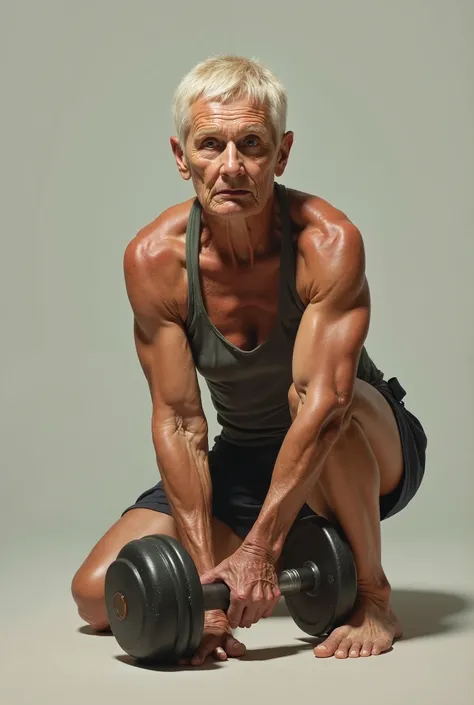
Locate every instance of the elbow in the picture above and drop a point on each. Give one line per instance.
(325, 418)
(175, 425)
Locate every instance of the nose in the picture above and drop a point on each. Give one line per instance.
(231, 160)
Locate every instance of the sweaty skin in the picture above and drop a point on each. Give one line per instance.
(232, 157)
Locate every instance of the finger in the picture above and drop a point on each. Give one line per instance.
(254, 608)
(233, 647)
(235, 611)
(207, 646)
(210, 576)
(219, 654)
(262, 602)
(273, 598)
(250, 616)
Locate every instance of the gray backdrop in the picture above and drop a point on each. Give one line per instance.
(381, 102)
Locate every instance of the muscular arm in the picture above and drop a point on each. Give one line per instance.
(327, 349)
(179, 428)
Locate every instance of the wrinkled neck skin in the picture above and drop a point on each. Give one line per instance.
(240, 241)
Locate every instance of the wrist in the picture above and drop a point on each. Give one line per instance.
(268, 534)
(198, 544)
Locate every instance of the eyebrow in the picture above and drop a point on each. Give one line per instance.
(254, 128)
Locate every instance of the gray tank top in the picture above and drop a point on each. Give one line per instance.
(249, 388)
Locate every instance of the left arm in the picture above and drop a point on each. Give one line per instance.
(327, 349)
(326, 354)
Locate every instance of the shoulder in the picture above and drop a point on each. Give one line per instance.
(329, 245)
(158, 245)
(154, 260)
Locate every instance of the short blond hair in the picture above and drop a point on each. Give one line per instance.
(227, 78)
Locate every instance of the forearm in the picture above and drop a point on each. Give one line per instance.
(182, 458)
(297, 468)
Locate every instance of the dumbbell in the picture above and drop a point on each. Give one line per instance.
(155, 601)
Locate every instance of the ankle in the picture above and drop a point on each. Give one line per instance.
(376, 588)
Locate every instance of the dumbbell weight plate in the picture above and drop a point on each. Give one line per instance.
(153, 597)
(191, 584)
(314, 539)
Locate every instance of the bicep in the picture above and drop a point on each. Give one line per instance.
(160, 339)
(327, 349)
(168, 365)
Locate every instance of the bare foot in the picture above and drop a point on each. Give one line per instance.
(370, 630)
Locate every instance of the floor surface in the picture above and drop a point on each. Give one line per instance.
(49, 656)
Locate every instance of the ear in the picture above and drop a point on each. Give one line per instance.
(284, 153)
(180, 158)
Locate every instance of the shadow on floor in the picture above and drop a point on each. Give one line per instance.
(421, 612)
(86, 629)
(428, 612)
(262, 654)
(130, 661)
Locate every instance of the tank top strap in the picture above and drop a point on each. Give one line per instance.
(289, 297)
(193, 231)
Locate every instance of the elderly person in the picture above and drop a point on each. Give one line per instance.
(263, 290)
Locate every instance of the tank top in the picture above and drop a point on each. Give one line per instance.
(249, 388)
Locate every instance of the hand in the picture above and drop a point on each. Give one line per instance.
(250, 575)
(217, 640)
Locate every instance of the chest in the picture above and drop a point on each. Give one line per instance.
(242, 304)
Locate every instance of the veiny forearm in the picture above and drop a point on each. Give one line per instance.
(297, 468)
(182, 458)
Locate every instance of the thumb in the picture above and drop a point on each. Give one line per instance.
(211, 576)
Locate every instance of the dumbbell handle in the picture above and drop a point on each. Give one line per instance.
(290, 581)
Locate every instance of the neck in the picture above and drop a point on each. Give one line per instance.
(241, 241)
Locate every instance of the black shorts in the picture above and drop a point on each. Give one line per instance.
(241, 475)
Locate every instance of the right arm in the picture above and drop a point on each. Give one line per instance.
(179, 427)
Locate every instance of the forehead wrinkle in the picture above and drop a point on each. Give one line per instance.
(215, 128)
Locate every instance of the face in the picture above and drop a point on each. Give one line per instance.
(231, 156)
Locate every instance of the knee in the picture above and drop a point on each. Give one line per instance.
(87, 588)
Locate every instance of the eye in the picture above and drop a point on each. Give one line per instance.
(209, 143)
(251, 141)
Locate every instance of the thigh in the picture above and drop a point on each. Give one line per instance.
(375, 416)
(135, 524)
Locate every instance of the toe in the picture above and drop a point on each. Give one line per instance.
(366, 648)
(328, 647)
(343, 648)
(355, 649)
(380, 645)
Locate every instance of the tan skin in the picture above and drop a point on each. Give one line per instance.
(338, 421)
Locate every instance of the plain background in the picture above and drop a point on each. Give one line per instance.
(381, 102)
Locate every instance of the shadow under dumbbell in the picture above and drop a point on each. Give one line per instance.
(263, 654)
(88, 631)
(130, 661)
(421, 612)
(271, 652)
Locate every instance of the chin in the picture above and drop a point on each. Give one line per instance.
(229, 207)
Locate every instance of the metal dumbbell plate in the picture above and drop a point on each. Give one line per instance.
(314, 539)
(154, 600)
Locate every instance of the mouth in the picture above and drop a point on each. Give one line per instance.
(232, 192)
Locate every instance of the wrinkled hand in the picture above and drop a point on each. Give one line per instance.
(250, 575)
(217, 640)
